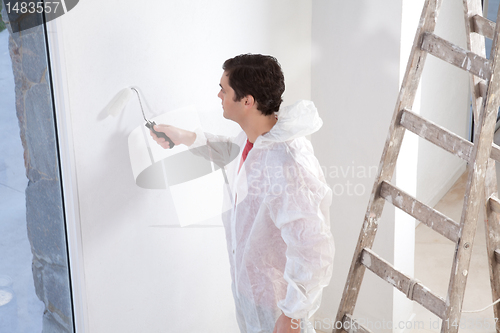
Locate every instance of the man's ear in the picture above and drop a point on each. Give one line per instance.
(249, 100)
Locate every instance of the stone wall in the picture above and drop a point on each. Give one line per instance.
(44, 210)
(2, 24)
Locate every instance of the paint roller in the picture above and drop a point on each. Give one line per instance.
(120, 101)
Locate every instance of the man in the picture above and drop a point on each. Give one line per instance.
(278, 234)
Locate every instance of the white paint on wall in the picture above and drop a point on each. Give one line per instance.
(141, 277)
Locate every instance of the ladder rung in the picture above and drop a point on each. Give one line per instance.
(436, 134)
(483, 26)
(431, 217)
(495, 152)
(494, 204)
(351, 325)
(497, 255)
(402, 282)
(457, 56)
(441, 137)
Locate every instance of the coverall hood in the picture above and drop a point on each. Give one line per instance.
(294, 121)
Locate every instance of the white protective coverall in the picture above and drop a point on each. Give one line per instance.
(278, 228)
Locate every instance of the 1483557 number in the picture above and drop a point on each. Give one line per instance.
(25, 7)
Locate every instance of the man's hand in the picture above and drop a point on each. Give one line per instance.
(286, 324)
(177, 135)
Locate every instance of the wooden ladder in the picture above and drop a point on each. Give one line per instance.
(480, 156)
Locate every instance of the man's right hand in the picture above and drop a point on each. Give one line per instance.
(177, 135)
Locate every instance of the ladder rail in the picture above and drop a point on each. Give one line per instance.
(475, 24)
(492, 230)
(475, 184)
(483, 26)
(487, 28)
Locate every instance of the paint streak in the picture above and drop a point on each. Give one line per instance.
(391, 281)
(399, 200)
(389, 198)
(422, 131)
(463, 63)
(367, 261)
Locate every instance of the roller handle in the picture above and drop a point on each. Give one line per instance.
(149, 124)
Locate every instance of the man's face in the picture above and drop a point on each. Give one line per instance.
(232, 110)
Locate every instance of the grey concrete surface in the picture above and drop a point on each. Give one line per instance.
(23, 314)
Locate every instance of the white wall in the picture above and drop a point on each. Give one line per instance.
(140, 277)
(346, 56)
(355, 82)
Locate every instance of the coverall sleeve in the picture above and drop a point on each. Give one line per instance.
(219, 149)
(302, 215)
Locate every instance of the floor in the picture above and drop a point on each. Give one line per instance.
(433, 259)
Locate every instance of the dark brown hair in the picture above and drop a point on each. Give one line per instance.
(257, 75)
